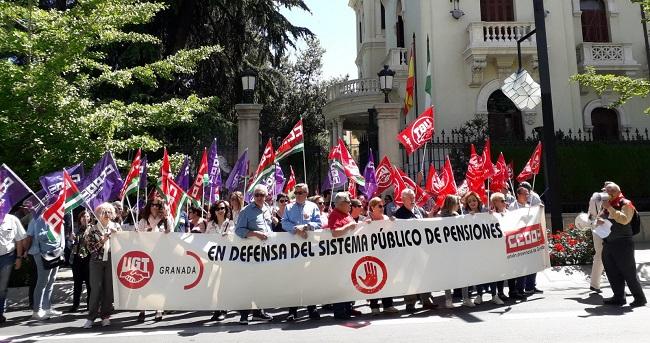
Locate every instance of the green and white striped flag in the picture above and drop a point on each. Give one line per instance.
(427, 82)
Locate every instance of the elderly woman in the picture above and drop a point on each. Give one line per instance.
(99, 247)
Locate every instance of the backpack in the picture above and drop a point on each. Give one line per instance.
(635, 223)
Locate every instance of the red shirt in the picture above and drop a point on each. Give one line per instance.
(338, 219)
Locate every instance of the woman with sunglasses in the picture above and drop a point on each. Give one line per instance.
(155, 218)
(282, 200)
(220, 219)
(236, 204)
(376, 212)
(320, 201)
(196, 223)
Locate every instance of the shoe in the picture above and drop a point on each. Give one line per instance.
(291, 317)
(449, 303)
(375, 311)
(478, 300)
(390, 310)
(638, 303)
(88, 324)
(106, 322)
(53, 313)
(537, 290)
(503, 297)
(314, 315)
(262, 316)
(342, 316)
(73, 309)
(141, 317)
(354, 313)
(2, 319)
(410, 308)
(614, 301)
(497, 300)
(468, 302)
(218, 316)
(158, 317)
(517, 296)
(40, 315)
(595, 290)
(243, 320)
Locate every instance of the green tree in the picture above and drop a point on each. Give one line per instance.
(58, 85)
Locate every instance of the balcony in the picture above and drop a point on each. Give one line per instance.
(607, 57)
(352, 97)
(353, 88)
(397, 59)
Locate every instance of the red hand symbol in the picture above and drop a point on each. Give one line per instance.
(371, 275)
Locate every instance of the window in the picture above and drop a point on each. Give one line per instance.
(594, 21)
(605, 122)
(400, 32)
(497, 10)
(504, 118)
(360, 34)
(383, 17)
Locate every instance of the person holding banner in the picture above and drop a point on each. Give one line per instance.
(255, 222)
(101, 272)
(282, 200)
(499, 206)
(320, 202)
(409, 210)
(80, 259)
(220, 221)
(533, 198)
(516, 286)
(12, 235)
(300, 217)
(39, 243)
(196, 223)
(376, 212)
(236, 204)
(154, 218)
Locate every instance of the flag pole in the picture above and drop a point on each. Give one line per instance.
(534, 176)
(128, 202)
(304, 161)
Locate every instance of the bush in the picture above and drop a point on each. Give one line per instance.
(571, 246)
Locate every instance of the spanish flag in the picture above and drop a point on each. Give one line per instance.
(410, 85)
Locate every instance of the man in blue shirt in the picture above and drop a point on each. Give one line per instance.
(299, 217)
(255, 221)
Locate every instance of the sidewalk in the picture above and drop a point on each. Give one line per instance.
(555, 279)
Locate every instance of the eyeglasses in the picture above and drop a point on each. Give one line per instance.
(283, 201)
(221, 208)
(320, 203)
(159, 205)
(299, 192)
(260, 195)
(357, 206)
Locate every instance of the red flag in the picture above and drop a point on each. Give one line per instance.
(384, 175)
(488, 166)
(417, 133)
(474, 176)
(500, 177)
(349, 165)
(421, 196)
(352, 189)
(532, 166)
(165, 172)
(398, 182)
(335, 152)
(410, 84)
(196, 192)
(266, 166)
(432, 177)
(294, 142)
(444, 184)
(133, 177)
(291, 183)
(69, 198)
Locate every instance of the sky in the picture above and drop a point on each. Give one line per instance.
(333, 22)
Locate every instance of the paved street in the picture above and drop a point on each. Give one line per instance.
(566, 311)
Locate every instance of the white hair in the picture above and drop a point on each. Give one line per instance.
(408, 191)
(340, 197)
(613, 186)
(260, 187)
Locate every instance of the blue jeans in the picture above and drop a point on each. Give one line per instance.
(5, 273)
(43, 290)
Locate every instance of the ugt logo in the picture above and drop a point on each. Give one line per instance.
(369, 275)
(135, 269)
(421, 130)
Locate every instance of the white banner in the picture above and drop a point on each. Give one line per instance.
(158, 271)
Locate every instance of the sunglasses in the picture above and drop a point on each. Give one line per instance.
(260, 195)
(159, 205)
(357, 206)
(283, 201)
(221, 208)
(380, 206)
(320, 203)
(299, 193)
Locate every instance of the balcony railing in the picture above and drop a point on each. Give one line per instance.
(397, 59)
(499, 34)
(353, 88)
(607, 56)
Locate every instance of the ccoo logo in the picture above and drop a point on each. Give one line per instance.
(135, 269)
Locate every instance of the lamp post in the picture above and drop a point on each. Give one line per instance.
(550, 150)
(248, 83)
(386, 81)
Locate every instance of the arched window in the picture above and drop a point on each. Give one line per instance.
(497, 10)
(400, 32)
(605, 122)
(594, 21)
(504, 118)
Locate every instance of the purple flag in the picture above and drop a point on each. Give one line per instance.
(279, 179)
(38, 202)
(143, 173)
(239, 171)
(214, 173)
(53, 182)
(12, 190)
(183, 176)
(369, 174)
(335, 177)
(103, 183)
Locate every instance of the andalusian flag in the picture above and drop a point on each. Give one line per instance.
(132, 178)
(176, 199)
(293, 143)
(202, 179)
(265, 168)
(427, 82)
(410, 85)
(68, 200)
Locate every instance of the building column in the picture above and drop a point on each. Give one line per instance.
(248, 123)
(388, 116)
(390, 32)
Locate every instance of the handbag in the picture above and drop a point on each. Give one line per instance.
(53, 259)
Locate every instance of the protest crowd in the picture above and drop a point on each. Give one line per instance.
(70, 223)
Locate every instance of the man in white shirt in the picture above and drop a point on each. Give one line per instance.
(11, 253)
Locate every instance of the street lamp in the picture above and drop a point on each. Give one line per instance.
(386, 81)
(248, 82)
